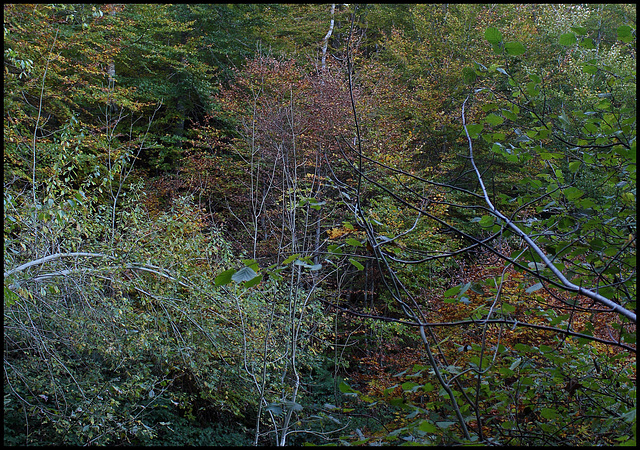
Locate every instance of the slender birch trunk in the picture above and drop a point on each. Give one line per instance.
(325, 41)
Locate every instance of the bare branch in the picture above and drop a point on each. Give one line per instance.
(53, 257)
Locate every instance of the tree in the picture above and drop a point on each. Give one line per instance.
(558, 252)
(235, 224)
(279, 110)
(110, 297)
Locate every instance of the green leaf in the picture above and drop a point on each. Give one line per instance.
(623, 31)
(390, 389)
(574, 166)
(254, 281)
(251, 263)
(544, 155)
(224, 277)
(428, 387)
(346, 389)
(527, 381)
(627, 39)
(9, 297)
(499, 136)
(427, 427)
(354, 242)
(548, 413)
(508, 308)
(356, 264)
(533, 89)
(335, 249)
(410, 386)
(291, 258)
(567, 39)
(486, 221)
(522, 347)
(452, 291)
(489, 107)
(545, 348)
(589, 69)
(573, 193)
(494, 119)
(493, 35)
(510, 115)
(474, 129)
(580, 31)
(469, 75)
(244, 274)
(313, 203)
(587, 43)
(514, 48)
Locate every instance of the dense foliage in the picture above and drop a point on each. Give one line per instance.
(256, 224)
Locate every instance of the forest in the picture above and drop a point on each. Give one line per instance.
(319, 224)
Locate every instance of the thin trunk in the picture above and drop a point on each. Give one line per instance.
(111, 69)
(325, 42)
(34, 185)
(180, 101)
(111, 72)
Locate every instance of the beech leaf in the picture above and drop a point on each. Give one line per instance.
(567, 39)
(514, 48)
(244, 274)
(356, 263)
(493, 35)
(224, 277)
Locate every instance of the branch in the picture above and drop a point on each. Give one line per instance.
(35, 135)
(566, 284)
(512, 322)
(479, 242)
(52, 257)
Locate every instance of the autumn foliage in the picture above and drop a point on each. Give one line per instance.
(270, 224)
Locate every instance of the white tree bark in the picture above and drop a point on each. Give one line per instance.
(111, 69)
(325, 41)
(50, 258)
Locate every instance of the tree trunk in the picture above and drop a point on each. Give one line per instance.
(111, 69)
(325, 42)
